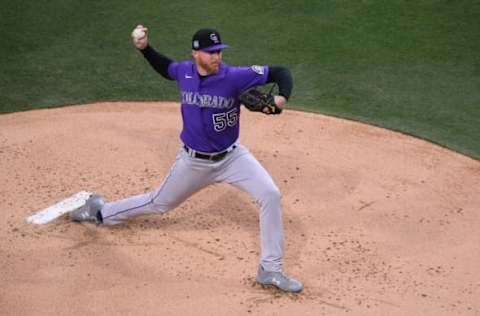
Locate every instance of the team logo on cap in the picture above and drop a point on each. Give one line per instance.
(196, 45)
(214, 38)
(258, 69)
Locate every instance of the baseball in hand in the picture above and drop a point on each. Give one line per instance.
(138, 34)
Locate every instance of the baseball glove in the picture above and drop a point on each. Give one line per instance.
(258, 101)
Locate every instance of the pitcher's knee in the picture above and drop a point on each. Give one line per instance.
(271, 194)
(162, 204)
(161, 207)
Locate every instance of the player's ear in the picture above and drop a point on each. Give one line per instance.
(194, 53)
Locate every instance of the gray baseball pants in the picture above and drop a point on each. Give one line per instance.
(188, 175)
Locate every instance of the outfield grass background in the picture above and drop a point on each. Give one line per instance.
(411, 66)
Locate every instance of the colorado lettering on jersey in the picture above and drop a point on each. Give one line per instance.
(206, 100)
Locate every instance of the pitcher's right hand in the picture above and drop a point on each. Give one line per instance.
(140, 37)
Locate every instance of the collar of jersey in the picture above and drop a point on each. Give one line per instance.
(221, 73)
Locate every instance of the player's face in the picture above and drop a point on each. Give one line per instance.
(207, 62)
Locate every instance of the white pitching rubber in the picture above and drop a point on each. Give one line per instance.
(50, 213)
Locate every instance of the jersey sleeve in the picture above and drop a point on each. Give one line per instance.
(247, 77)
(173, 70)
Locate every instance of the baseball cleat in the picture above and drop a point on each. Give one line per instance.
(278, 279)
(88, 212)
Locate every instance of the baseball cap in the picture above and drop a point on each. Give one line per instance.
(207, 40)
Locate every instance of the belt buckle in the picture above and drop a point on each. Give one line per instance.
(214, 157)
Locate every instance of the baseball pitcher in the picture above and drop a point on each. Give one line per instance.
(211, 94)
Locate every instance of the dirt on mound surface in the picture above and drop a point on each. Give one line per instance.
(376, 222)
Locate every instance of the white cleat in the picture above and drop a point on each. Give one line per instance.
(279, 280)
(89, 212)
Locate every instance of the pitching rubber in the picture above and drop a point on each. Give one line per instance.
(67, 205)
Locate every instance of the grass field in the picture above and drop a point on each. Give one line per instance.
(412, 66)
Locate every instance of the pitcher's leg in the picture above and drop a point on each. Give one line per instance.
(186, 177)
(244, 171)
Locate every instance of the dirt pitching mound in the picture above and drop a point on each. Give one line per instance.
(376, 222)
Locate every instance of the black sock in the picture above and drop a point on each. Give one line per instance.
(99, 217)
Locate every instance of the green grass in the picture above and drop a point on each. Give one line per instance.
(411, 66)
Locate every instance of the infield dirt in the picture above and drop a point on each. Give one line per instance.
(376, 222)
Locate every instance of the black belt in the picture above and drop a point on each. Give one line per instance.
(213, 157)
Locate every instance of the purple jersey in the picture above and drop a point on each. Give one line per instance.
(210, 106)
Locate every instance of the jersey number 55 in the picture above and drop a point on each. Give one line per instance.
(222, 120)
